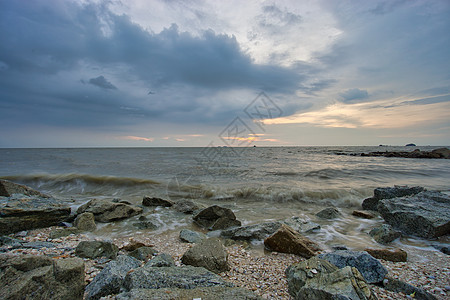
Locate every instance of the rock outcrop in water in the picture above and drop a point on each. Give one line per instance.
(41, 277)
(107, 211)
(388, 193)
(443, 153)
(216, 217)
(426, 214)
(317, 279)
(22, 208)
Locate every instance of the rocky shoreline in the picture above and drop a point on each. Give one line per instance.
(440, 153)
(217, 260)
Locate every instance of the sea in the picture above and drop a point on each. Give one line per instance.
(258, 183)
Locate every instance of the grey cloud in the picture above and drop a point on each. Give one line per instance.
(101, 82)
(352, 95)
(273, 16)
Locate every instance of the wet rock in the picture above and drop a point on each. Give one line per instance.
(40, 277)
(287, 240)
(216, 217)
(192, 237)
(162, 260)
(329, 213)
(252, 232)
(186, 277)
(107, 211)
(399, 286)
(384, 234)
(110, 279)
(317, 279)
(11, 242)
(209, 254)
(38, 245)
(187, 206)
(145, 224)
(362, 214)
(442, 152)
(301, 225)
(154, 201)
(132, 245)
(426, 214)
(389, 193)
(143, 253)
(443, 248)
(93, 249)
(21, 212)
(370, 268)
(204, 293)
(62, 232)
(9, 188)
(397, 255)
(85, 222)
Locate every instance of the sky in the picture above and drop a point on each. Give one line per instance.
(224, 73)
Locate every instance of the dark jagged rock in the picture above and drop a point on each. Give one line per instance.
(192, 237)
(384, 234)
(397, 255)
(317, 279)
(143, 253)
(209, 254)
(107, 211)
(399, 286)
(85, 222)
(389, 193)
(186, 277)
(426, 214)
(216, 217)
(162, 260)
(329, 213)
(154, 201)
(40, 277)
(8, 188)
(204, 293)
(287, 240)
(20, 212)
(110, 279)
(444, 249)
(370, 268)
(93, 249)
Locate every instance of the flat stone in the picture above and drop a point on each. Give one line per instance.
(154, 201)
(252, 232)
(9, 188)
(94, 249)
(397, 255)
(362, 214)
(389, 193)
(107, 211)
(190, 236)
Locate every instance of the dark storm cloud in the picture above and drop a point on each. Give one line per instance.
(101, 82)
(353, 95)
(47, 47)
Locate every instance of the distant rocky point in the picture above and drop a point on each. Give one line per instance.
(417, 153)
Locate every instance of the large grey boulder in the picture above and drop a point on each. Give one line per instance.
(209, 254)
(85, 222)
(9, 188)
(107, 211)
(317, 279)
(384, 234)
(110, 279)
(287, 240)
(369, 267)
(389, 193)
(190, 236)
(94, 249)
(216, 217)
(21, 212)
(426, 214)
(252, 232)
(204, 293)
(186, 277)
(40, 277)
